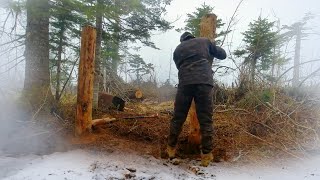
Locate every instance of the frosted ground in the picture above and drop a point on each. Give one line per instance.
(81, 164)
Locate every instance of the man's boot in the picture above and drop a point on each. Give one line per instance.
(171, 151)
(206, 159)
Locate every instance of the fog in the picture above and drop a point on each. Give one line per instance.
(21, 132)
(288, 11)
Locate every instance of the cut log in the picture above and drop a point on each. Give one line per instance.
(138, 94)
(208, 30)
(98, 122)
(134, 94)
(208, 26)
(85, 81)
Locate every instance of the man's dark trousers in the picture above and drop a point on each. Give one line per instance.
(202, 94)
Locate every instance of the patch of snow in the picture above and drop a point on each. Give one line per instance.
(80, 164)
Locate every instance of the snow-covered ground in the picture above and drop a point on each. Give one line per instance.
(80, 164)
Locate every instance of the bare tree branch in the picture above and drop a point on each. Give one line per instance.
(315, 60)
(65, 83)
(313, 73)
(231, 20)
(12, 67)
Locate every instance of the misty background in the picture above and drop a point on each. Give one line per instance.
(287, 11)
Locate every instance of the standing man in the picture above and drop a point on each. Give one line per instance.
(193, 58)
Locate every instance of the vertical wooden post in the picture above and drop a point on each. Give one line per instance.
(85, 81)
(208, 26)
(208, 30)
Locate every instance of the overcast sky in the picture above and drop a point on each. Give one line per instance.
(289, 11)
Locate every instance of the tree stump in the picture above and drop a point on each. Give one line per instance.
(208, 30)
(85, 81)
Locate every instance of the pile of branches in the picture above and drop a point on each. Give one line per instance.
(268, 121)
(265, 121)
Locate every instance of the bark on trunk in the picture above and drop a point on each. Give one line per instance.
(37, 75)
(253, 71)
(85, 81)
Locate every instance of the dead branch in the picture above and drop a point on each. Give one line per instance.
(7, 63)
(231, 56)
(225, 67)
(315, 60)
(306, 78)
(134, 126)
(98, 122)
(231, 20)
(138, 117)
(12, 67)
(236, 109)
(5, 22)
(41, 106)
(70, 74)
(270, 144)
(277, 110)
(12, 41)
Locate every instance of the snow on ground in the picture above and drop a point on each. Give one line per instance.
(80, 164)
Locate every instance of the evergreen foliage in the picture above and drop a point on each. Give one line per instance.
(194, 19)
(260, 41)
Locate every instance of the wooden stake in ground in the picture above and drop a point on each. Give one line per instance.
(85, 81)
(208, 30)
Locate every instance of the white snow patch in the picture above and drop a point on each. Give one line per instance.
(80, 164)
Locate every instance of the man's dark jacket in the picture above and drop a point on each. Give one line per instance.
(194, 58)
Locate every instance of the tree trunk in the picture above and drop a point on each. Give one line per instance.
(116, 44)
(116, 58)
(208, 30)
(96, 86)
(296, 70)
(59, 66)
(253, 70)
(274, 62)
(278, 53)
(37, 75)
(85, 81)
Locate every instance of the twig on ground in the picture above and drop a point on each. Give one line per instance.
(272, 145)
(41, 106)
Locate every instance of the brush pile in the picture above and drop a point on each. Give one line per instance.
(265, 123)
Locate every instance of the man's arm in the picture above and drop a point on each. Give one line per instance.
(175, 58)
(217, 51)
(220, 53)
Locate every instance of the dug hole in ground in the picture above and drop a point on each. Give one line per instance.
(131, 149)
